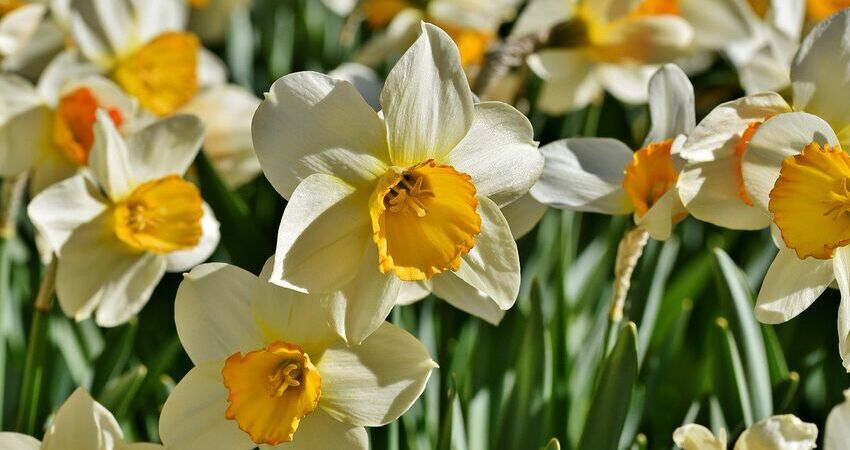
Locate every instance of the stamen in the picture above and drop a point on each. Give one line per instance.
(840, 204)
(409, 198)
(287, 375)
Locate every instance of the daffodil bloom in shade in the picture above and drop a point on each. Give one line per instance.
(117, 228)
(144, 47)
(712, 184)
(837, 428)
(410, 195)
(603, 175)
(49, 128)
(81, 423)
(786, 432)
(598, 45)
(269, 370)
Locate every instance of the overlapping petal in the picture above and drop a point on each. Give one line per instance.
(791, 285)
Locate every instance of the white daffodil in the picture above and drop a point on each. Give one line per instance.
(713, 184)
(603, 175)
(143, 47)
(601, 44)
(209, 19)
(118, 228)
(411, 194)
(837, 428)
(794, 171)
(786, 432)
(29, 36)
(269, 369)
(49, 128)
(81, 423)
(472, 24)
(763, 58)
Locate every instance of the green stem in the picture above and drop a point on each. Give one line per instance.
(36, 347)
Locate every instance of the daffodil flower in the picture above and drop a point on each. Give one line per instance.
(144, 48)
(603, 175)
(49, 128)
(713, 184)
(794, 171)
(269, 369)
(786, 432)
(119, 227)
(81, 423)
(412, 194)
(837, 428)
(602, 44)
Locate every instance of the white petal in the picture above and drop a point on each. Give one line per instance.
(183, 260)
(374, 383)
(193, 415)
(323, 231)
(211, 70)
(426, 100)
(777, 138)
(717, 23)
(458, 293)
(109, 160)
(569, 83)
(819, 74)
(492, 266)
(627, 83)
(226, 111)
(18, 441)
(364, 79)
(125, 292)
(51, 169)
(709, 182)
(81, 423)
(671, 104)
(286, 315)
(108, 94)
(25, 125)
(90, 43)
(785, 432)
(310, 123)
(837, 428)
(790, 286)
(400, 34)
(499, 152)
(165, 147)
(212, 312)
(697, 437)
(412, 292)
(523, 215)
(18, 26)
(154, 17)
(340, 7)
(320, 431)
(63, 207)
(65, 67)
(360, 307)
(541, 15)
(585, 174)
(658, 220)
(841, 264)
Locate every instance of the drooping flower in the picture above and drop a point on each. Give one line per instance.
(605, 176)
(409, 195)
(144, 48)
(81, 423)
(778, 432)
(270, 370)
(117, 228)
(596, 45)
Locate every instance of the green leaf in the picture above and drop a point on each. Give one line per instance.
(604, 422)
(730, 367)
(119, 393)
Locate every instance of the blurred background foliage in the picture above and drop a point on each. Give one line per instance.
(689, 348)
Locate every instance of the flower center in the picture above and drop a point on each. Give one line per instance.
(423, 220)
(271, 390)
(657, 8)
(817, 10)
(162, 74)
(73, 127)
(740, 149)
(810, 201)
(160, 216)
(379, 13)
(650, 175)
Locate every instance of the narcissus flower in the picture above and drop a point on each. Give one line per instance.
(117, 228)
(713, 184)
(837, 428)
(412, 194)
(49, 128)
(144, 48)
(270, 370)
(777, 432)
(596, 45)
(81, 423)
(603, 175)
